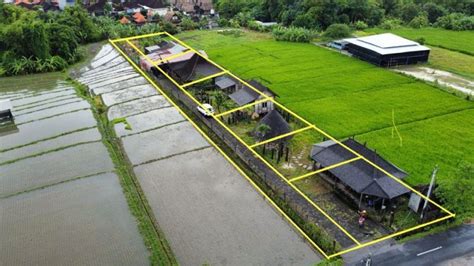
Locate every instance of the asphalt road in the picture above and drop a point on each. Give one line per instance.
(453, 247)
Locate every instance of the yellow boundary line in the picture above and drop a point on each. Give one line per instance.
(204, 79)
(256, 153)
(389, 236)
(324, 169)
(280, 136)
(215, 64)
(172, 57)
(293, 186)
(363, 158)
(272, 203)
(243, 107)
(138, 37)
(164, 73)
(450, 214)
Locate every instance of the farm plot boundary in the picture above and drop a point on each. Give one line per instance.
(308, 127)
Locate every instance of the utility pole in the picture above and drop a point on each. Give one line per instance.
(430, 189)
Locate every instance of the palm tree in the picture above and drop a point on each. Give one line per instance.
(219, 99)
(262, 130)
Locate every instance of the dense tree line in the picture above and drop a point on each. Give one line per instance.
(33, 41)
(320, 14)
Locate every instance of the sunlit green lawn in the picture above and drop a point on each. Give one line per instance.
(346, 97)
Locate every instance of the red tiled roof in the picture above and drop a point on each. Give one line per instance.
(124, 20)
(139, 18)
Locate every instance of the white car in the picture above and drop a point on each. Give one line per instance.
(206, 109)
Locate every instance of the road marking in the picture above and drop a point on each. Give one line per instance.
(428, 251)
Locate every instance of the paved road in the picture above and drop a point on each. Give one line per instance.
(453, 247)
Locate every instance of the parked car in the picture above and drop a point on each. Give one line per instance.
(206, 109)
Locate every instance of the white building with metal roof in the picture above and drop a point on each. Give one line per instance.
(387, 50)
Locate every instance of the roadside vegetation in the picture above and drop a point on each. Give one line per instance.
(348, 97)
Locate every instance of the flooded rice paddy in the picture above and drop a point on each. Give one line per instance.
(60, 200)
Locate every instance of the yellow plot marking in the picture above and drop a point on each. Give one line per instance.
(280, 136)
(137, 37)
(390, 236)
(164, 73)
(324, 169)
(293, 186)
(172, 57)
(243, 107)
(204, 79)
(278, 173)
(216, 65)
(363, 158)
(272, 203)
(383, 171)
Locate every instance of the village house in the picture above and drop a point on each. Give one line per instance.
(275, 125)
(358, 179)
(194, 7)
(246, 95)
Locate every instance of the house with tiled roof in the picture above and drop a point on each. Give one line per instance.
(191, 7)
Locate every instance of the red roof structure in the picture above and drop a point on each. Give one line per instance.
(139, 18)
(124, 20)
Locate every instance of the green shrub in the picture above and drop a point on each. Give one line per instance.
(253, 25)
(420, 40)
(456, 191)
(360, 25)
(234, 23)
(337, 31)
(419, 22)
(188, 24)
(222, 22)
(456, 21)
(391, 24)
(292, 34)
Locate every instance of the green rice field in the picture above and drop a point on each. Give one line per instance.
(461, 41)
(348, 97)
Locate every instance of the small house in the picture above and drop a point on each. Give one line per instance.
(225, 84)
(194, 7)
(387, 50)
(247, 95)
(275, 126)
(358, 178)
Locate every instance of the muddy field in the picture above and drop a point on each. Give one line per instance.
(60, 202)
(209, 213)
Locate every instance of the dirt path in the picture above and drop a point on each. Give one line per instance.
(441, 77)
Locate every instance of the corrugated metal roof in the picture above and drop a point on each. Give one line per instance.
(360, 175)
(387, 43)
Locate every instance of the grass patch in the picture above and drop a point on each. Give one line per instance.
(454, 62)
(345, 96)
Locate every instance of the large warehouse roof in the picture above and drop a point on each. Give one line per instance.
(387, 43)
